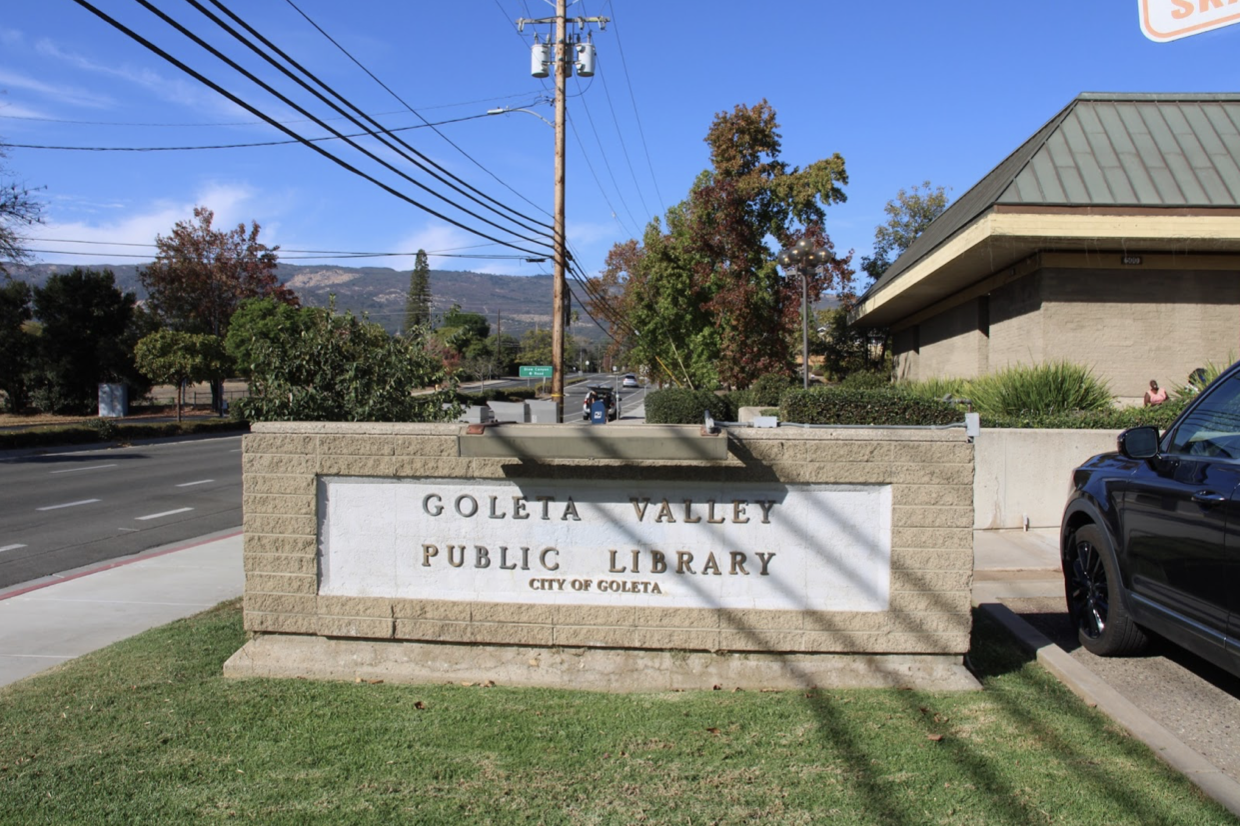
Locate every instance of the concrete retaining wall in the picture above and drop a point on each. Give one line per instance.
(1025, 474)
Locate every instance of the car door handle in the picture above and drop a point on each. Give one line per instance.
(1209, 497)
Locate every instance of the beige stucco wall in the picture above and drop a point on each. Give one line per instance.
(1129, 325)
(930, 473)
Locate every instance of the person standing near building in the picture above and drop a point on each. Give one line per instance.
(1155, 395)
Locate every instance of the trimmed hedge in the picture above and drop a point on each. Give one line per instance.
(677, 405)
(497, 394)
(858, 406)
(1159, 416)
(95, 433)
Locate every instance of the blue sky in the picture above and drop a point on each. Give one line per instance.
(906, 91)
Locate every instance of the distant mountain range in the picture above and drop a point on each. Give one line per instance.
(515, 303)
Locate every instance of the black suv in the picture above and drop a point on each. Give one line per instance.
(1150, 540)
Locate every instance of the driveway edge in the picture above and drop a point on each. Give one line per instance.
(1095, 692)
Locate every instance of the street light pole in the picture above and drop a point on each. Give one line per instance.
(797, 258)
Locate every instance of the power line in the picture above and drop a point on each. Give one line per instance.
(410, 108)
(226, 145)
(606, 162)
(266, 87)
(637, 115)
(257, 113)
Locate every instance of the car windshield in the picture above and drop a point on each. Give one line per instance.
(1213, 427)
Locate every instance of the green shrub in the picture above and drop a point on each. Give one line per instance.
(677, 405)
(852, 406)
(1043, 389)
(1159, 416)
(497, 394)
(866, 380)
(937, 388)
(767, 390)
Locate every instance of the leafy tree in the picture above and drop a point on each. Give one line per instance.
(201, 275)
(18, 208)
(536, 347)
(340, 368)
(258, 320)
(87, 338)
(16, 344)
(175, 357)
(908, 215)
(704, 301)
(418, 303)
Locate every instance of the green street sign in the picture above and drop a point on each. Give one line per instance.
(540, 371)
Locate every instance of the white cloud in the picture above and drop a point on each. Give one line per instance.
(71, 95)
(232, 204)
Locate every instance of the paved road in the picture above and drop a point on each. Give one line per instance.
(60, 511)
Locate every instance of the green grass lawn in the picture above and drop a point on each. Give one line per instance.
(147, 731)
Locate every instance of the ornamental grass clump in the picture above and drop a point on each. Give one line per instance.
(1054, 387)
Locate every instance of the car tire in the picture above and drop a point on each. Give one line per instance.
(1095, 601)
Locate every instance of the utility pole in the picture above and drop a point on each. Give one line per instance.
(563, 68)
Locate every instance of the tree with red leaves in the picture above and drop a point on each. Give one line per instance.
(703, 302)
(201, 275)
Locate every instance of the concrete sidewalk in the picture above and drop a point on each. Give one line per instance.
(51, 620)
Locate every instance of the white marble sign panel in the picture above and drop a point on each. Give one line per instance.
(673, 545)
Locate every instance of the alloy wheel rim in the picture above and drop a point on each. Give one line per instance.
(1088, 592)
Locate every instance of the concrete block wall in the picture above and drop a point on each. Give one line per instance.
(930, 473)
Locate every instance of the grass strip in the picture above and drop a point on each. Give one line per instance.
(147, 731)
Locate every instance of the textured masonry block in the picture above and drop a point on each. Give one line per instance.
(355, 465)
(596, 636)
(280, 603)
(281, 564)
(271, 523)
(931, 623)
(620, 616)
(258, 483)
(960, 496)
(904, 517)
(274, 583)
(738, 619)
(355, 627)
(277, 464)
(928, 601)
(700, 618)
(356, 446)
(951, 560)
(262, 622)
(827, 621)
(935, 454)
(932, 538)
(931, 580)
(258, 543)
(440, 446)
(412, 467)
(433, 630)
(283, 505)
(354, 606)
(847, 453)
(296, 444)
(513, 634)
(931, 474)
(496, 612)
(677, 639)
(432, 609)
(761, 640)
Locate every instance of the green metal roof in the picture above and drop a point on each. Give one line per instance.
(1108, 150)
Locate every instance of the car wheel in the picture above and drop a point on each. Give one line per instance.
(1092, 586)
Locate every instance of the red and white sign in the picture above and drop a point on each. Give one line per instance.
(1167, 20)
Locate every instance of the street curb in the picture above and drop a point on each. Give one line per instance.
(1091, 688)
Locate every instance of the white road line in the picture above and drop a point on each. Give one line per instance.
(11, 548)
(165, 513)
(67, 505)
(79, 469)
(191, 484)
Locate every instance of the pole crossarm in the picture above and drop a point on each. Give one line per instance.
(580, 21)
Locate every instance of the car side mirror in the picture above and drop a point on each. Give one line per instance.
(1139, 442)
